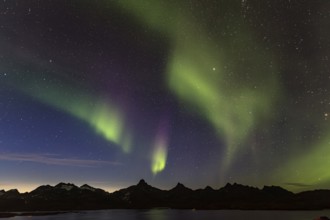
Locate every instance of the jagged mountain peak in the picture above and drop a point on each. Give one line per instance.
(42, 188)
(87, 187)
(142, 182)
(208, 188)
(143, 185)
(66, 186)
(236, 185)
(239, 189)
(13, 191)
(62, 183)
(275, 190)
(232, 185)
(12, 194)
(180, 187)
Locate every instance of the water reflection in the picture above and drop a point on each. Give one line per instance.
(157, 214)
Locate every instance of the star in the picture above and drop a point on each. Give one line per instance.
(223, 106)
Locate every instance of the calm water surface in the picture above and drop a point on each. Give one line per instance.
(182, 215)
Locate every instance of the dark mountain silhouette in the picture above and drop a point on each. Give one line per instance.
(67, 196)
(11, 199)
(141, 195)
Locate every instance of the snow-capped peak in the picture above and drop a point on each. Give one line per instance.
(87, 187)
(66, 187)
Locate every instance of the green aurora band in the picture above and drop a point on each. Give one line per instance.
(205, 75)
(309, 168)
(159, 156)
(104, 117)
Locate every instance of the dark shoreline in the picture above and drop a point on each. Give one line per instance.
(13, 214)
(49, 213)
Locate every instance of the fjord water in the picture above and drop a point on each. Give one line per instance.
(168, 214)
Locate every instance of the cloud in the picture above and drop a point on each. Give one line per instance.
(51, 159)
(302, 185)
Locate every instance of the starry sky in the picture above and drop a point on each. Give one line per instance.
(200, 92)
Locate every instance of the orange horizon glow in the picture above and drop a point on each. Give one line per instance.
(28, 187)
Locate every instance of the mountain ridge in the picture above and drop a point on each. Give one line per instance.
(67, 196)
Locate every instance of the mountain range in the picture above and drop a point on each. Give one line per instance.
(66, 196)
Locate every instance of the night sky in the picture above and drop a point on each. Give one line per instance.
(199, 92)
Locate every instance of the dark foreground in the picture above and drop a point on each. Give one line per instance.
(170, 214)
(65, 197)
(13, 214)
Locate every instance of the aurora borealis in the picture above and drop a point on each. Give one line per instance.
(198, 92)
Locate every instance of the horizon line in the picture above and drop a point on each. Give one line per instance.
(118, 188)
